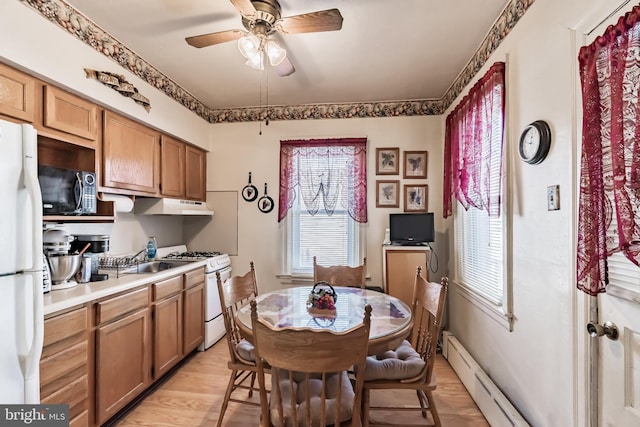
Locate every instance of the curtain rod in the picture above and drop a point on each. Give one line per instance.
(609, 16)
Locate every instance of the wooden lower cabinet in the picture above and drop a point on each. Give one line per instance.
(123, 352)
(64, 365)
(193, 310)
(167, 325)
(399, 270)
(99, 357)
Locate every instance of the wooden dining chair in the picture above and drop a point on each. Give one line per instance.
(309, 381)
(410, 366)
(234, 293)
(341, 275)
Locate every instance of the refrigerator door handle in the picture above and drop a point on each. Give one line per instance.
(30, 167)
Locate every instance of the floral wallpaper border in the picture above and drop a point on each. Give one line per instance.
(69, 19)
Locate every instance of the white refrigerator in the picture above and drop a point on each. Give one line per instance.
(21, 308)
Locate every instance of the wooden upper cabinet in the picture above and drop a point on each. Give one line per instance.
(196, 173)
(17, 94)
(68, 113)
(172, 167)
(131, 155)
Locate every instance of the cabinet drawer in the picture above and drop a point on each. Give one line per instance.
(193, 278)
(167, 287)
(62, 363)
(82, 420)
(117, 306)
(70, 394)
(65, 325)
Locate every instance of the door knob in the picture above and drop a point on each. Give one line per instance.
(609, 329)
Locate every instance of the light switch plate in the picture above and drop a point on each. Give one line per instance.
(553, 198)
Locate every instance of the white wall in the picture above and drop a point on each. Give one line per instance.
(32, 43)
(238, 149)
(39, 47)
(535, 365)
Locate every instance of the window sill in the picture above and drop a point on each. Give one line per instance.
(494, 311)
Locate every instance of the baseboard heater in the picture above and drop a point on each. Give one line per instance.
(495, 407)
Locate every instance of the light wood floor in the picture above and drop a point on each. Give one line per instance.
(193, 396)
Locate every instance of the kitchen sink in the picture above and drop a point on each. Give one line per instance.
(153, 266)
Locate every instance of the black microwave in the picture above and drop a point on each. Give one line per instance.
(67, 191)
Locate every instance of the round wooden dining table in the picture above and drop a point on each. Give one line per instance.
(287, 308)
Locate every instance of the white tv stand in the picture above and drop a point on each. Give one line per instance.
(399, 265)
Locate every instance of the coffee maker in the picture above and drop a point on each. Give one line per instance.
(98, 246)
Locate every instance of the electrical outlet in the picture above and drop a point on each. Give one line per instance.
(553, 198)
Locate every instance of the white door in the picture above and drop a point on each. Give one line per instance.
(617, 360)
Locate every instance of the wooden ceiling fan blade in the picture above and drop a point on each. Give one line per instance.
(322, 20)
(205, 40)
(285, 68)
(245, 7)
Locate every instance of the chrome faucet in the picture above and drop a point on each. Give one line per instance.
(135, 257)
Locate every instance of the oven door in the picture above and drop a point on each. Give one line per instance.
(212, 307)
(214, 328)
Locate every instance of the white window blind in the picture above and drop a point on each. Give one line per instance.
(480, 253)
(622, 272)
(480, 238)
(334, 239)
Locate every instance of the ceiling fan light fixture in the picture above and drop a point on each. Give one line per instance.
(275, 53)
(256, 61)
(249, 45)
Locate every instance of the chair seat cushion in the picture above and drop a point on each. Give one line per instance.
(403, 362)
(281, 382)
(246, 350)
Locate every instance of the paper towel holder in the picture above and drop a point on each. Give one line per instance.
(118, 202)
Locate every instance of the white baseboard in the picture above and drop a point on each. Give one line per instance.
(495, 407)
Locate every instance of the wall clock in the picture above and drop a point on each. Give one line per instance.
(535, 142)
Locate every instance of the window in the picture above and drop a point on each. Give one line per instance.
(322, 202)
(334, 239)
(473, 177)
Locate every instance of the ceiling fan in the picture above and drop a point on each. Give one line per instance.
(261, 19)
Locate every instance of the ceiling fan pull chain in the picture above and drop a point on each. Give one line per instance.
(266, 121)
(260, 103)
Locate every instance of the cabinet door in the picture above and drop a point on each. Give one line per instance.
(401, 272)
(172, 165)
(17, 94)
(131, 155)
(193, 318)
(167, 334)
(68, 113)
(196, 175)
(122, 363)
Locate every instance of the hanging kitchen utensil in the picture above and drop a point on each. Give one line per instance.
(249, 192)
(265, 203)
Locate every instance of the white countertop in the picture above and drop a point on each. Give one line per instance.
(85, 292)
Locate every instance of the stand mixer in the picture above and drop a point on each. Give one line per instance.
(62, 265)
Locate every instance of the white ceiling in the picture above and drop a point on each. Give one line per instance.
(386, 50)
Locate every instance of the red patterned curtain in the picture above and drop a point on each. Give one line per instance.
(473, 146)
(609, 175)
(325, 172)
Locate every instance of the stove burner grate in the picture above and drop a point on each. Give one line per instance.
(193, 255)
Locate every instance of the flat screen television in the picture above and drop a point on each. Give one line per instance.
(411, 228)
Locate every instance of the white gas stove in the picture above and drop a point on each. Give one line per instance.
(214, 328)
(215, 260)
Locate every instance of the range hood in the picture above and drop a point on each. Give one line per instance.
(153, 206)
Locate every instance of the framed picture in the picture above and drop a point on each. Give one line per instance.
(387, 161)
(415, 198)
(415, 164)
(387, 194)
